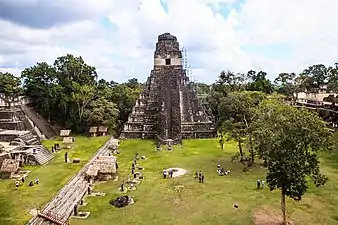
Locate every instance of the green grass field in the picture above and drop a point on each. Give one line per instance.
(16, 204)
(156, 202)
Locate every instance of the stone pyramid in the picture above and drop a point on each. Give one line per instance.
(168, 109)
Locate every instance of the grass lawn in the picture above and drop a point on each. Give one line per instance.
(156, 202)
(16, 204)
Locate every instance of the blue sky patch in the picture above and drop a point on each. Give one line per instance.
(105, 22)
(164, 5)
(225, 8)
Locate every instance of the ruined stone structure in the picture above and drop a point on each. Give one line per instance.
(168, 109)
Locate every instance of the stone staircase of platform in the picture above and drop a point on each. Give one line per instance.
(30, 139)
(42, 155)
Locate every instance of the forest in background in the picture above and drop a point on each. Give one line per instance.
(69, 94)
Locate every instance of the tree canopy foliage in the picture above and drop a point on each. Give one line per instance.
(287, 139)
(69, 94)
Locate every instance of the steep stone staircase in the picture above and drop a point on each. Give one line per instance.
(42, 155)
(30, 139)
(43, 126)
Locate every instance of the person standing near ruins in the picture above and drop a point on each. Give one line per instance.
(17, 183)
(258, 184)
(66, 157)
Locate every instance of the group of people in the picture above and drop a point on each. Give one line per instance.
(168, 173)
(31, 183)
(222, 171)
(260, 183)
(200, 176)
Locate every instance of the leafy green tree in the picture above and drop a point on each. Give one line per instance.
(285, 84)
(10, 87)
(237, 112)
(124, 97)
(287, 139)
(81, 96)
(315, 76)
(101, 112)
(70, 69)
(259, 82)
(333, 78)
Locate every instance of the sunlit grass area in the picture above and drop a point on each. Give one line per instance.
(157, 202)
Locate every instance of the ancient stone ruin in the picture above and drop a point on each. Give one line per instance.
(168, 109)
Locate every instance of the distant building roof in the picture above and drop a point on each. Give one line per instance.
(103, 128)
(64, 133)
(92, 129)
(9, 165)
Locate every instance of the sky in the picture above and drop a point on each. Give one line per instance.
(118, 37)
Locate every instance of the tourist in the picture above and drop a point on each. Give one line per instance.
(218, 166)
(128, 179)
(37, 180)
(75, 210)
(222, 172)
(135, 175)
(164, 174)
(258, 184)
(23, 179)
(202, 178)
(31, 183)
(17, 183)
(116, 165)
(171, 172)
(196, 174)
(66, 157)
(263, 183)
(200, 174)
(132, 171)
(133, 166)
(122, 186)
(88, 190)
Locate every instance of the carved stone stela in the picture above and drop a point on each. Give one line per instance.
(168, 109)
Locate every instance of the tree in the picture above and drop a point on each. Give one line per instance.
(73, 69)
(287, 139)
(286, 84)
(101, 112)
(315, 76)
(236, 115)
(124, 97)
(333, 78)
(259, 82)
(10, 87)
(81, 96)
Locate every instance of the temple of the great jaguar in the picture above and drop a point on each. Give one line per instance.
(168, 108)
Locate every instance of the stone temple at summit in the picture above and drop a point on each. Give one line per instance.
(168, 109)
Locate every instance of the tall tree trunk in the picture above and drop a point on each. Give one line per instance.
(240, 149)
(283, 205)
(251, 150)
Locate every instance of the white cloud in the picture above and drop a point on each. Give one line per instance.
(214, 42)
